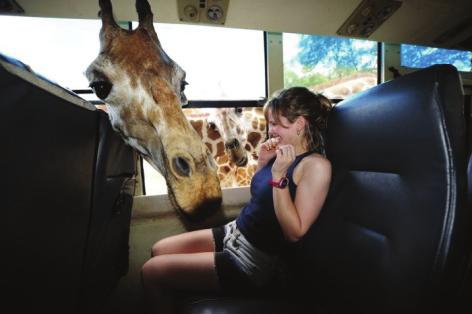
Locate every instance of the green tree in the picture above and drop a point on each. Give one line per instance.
(292, 79)
(344, 54)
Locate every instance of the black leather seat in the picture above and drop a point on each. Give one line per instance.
(394, 235)
(67, 189)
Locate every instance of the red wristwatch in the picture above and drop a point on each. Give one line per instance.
(281, 184)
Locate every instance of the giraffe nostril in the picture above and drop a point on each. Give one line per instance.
(181, 166)
(242, 161)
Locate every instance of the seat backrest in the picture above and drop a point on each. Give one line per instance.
(469, 180)
(67, 187)
(392, 237)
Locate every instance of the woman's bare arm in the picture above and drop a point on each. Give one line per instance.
(296, 217)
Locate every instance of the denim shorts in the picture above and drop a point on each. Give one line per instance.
(240, 265)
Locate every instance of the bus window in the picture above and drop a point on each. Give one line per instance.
(58, 49)
(337, 67)
(220, 63)
(405, 58)
(413, 56)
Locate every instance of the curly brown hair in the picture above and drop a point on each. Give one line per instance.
(294, 102)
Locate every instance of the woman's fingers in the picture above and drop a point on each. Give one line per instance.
(285, 157)
(287, 151)
(291, 152)
(272, 143)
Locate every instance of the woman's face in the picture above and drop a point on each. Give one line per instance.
(283, 129)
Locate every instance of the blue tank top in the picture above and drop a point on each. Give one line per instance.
(257, 220)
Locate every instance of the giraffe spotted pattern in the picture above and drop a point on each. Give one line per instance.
(219, 126)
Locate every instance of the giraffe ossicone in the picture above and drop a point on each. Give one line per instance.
(143, 89)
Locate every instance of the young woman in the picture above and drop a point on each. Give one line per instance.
(287, 193)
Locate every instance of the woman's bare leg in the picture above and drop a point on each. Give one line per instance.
(181, 262)
(188, 242)
(163, 274)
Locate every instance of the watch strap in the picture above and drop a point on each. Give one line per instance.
(282, 183)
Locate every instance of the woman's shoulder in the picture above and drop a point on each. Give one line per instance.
(312, 165)
(316, 160)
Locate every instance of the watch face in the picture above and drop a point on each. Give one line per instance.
(283, 182)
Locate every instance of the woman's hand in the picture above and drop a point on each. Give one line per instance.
(285, 157)
(267, 151)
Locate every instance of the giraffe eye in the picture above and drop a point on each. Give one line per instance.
(181, 166)
(101, 88)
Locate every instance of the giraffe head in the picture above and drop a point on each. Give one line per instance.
(232, 129)
(143, 89)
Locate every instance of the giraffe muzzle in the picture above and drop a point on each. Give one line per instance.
(242, 161)
(238, 154)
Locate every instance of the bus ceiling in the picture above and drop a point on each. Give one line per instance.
(437, 23)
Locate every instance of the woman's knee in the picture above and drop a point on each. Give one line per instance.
(161, 247)
(156, 248)
(189, 242)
